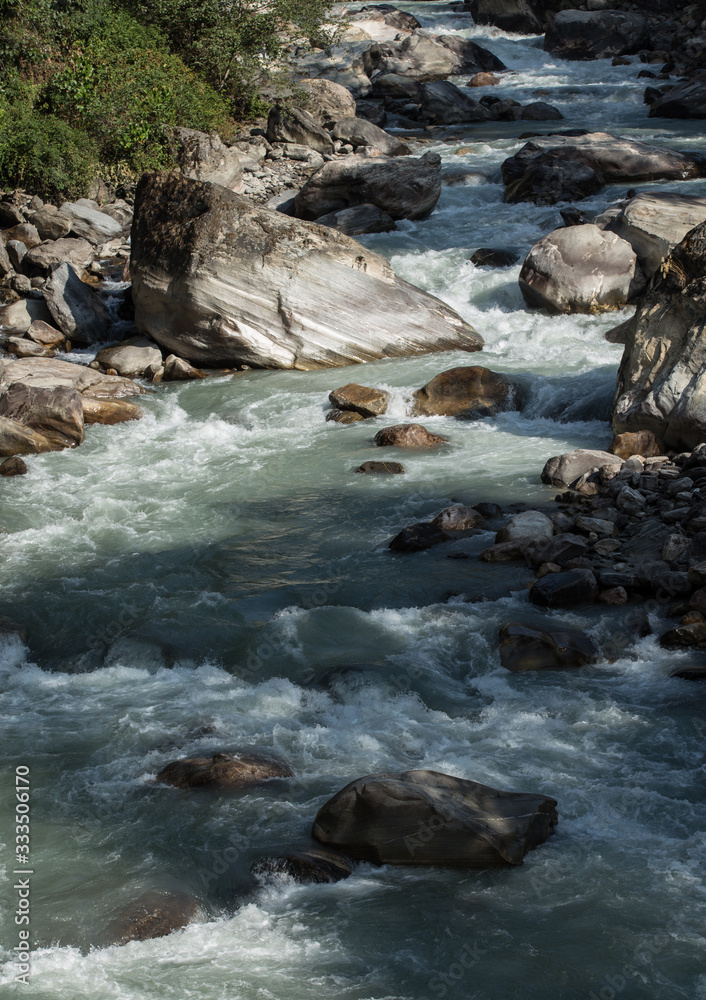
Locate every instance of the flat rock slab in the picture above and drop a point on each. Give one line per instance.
(361, 399)
(429, 818)
(219, 281)
(50, 372)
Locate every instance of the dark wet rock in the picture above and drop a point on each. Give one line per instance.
(224, 770)
(358, 220)
(505, 551)
(686, 100)
(404, 187)
(690, 672)
(381, 468)
(575, 34)
(428, 818)
(573, 216)
(684, 637)
(361, 399)
(660, 382)
(312, 866)
(13, 467)
(563, 470)
(443, 103)
(490, 511)
(562, 167)
(458, 518)
(153, 915)
(488, 257)
(408, 436)
(579, 269)
(523, 647)
(613, 596)
(558, 549)
(468, 393)
(510, 15)
(565, 590)
(418, 537)
(220, 282)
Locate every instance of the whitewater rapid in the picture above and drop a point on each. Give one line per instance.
(215, 575)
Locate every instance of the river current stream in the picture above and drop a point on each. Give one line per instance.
(216, 576)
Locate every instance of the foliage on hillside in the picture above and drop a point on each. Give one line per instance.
(89, 85)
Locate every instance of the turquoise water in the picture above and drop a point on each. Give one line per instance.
(216, 576)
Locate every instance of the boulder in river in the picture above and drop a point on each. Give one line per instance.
(654, 222)
(361, 399)
(224, 770)
(78, 309)
(492, 257)
(599, 34)
(219, 281)
(381, 468)
(418, 537)
(17, 439)
(686, 100)
(560, 167)
(458, 518)
(443, 103)
(108, 411)
(523, 647)
(468, 393)
(357, 220)
(429, 818)
(528, 526)
(13, 467)
(404, 187)
(662, 376)
(408, 436)
(580, 269)
(423, 58)
(510, 15)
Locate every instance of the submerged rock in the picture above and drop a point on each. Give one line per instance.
(408, 436)
(381, 468)
(219, 281)
(314, 865)
(467, 393)
(489, 257)
(523, 647)
(578, 269)
(224, 770)
(429, 818)
(154, 914)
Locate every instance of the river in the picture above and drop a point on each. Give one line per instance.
(216, 576)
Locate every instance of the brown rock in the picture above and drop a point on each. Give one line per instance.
(51, 372)
(45, 334)
(13, 467)
(178, 370)
(224, 770)
(16, 439)
(484, 80)
(56, 414)
(153, 915)
(418, 537)
(22, 348)
(613, 596)
(343, 417)
(684, 636)
(408, 436)
(458, 518)
(367, 402)
(643, 443)
(108, 411)
(467, 392)
(506, 551)
(525, 648)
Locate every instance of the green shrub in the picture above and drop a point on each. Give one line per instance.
(42, 153)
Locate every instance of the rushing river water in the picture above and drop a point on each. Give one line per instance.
(216, 576)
